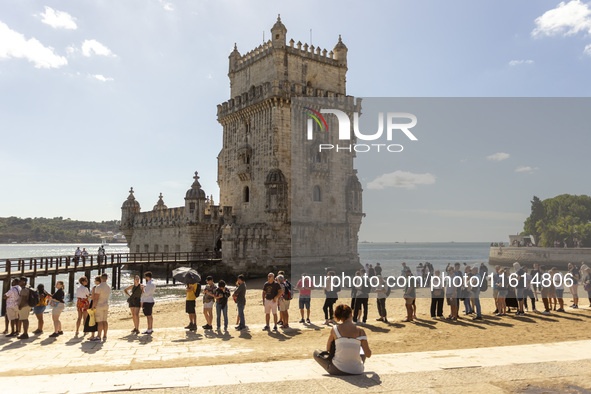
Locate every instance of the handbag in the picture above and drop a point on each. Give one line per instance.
(91, 318)
(53, 303)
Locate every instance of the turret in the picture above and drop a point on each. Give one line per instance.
(160, 204)
(340, 52)
(278, 34)
(129, 209)
(195, 201)
(234, 58)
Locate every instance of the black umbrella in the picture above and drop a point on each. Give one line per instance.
(186, 275)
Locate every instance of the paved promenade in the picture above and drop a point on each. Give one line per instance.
(564, 366)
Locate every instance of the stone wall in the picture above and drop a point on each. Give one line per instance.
(550, 257)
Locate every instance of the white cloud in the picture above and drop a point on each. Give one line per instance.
(526, 169)
(566, 19)
(475, 214)
(166, 5)
(500, 156)
(518, 62)
(404, 179)
(102, 78)
(15, 45)
(58, 19)
(587, 50)
(90, 47)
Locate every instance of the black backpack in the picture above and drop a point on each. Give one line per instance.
(33, 298)
(198, 290)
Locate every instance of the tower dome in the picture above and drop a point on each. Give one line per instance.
(195, 192)
(160, 204)
(131, 203)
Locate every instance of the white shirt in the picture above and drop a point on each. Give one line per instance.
(82, 292)
(148, 294)
(12, 297)
(347, 355)
(558, 281)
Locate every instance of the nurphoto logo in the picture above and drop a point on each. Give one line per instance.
(392, 120)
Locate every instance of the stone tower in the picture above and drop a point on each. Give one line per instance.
(284, 195)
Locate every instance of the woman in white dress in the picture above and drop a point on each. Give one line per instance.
(347, 346)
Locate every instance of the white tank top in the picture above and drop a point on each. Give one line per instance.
(347, 356)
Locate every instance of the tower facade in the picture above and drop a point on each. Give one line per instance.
(281, 200)
(291, 202)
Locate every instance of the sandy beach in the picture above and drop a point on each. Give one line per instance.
(298, 342)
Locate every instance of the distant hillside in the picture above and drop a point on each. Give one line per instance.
(56, 230)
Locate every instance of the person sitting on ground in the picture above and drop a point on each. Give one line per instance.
(40, 308)
(347, 346)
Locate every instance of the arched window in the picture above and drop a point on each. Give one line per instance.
(246, 194)
(316, 196)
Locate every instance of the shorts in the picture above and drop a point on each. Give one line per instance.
(82, 304)
(12, 313)
(23, 313)
(147, 308)
(270, 307)
(208, 305)
(559, 293)
(39, 309)
(284, 305)
(503, 293)
(495, 293)
(409, 301)
(58, 309)
(190, 306)
(100, 314)
(520, 294)
(304, 302)
(452, 301)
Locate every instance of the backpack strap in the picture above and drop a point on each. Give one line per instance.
(336, 331)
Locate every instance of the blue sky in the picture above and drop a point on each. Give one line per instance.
(98, 96)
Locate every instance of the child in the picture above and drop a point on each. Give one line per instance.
(221, 296)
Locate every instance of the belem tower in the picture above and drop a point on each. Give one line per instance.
(282, 202)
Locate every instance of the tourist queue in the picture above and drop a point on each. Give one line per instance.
(93, 304)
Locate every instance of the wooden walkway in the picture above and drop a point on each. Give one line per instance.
(34, 267)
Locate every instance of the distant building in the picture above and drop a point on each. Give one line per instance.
(263, 210)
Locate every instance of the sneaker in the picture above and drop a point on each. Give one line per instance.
(560, 310)
(148, 332)
(308, 321)
(60, 333)
(574, 306)
(95, 339)
(302, 321)
(189, 326)
(274, 328)
(193, 327)
(280, 322)
(37, 332)
(23, 336)
(54, 335)
(266, 328)
(218, 329)
(545, 313)
(12, 334)
(105, 338)
(477, 318)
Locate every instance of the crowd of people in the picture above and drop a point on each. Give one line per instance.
(92, 302)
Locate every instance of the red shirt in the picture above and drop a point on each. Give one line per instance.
(305, 292)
